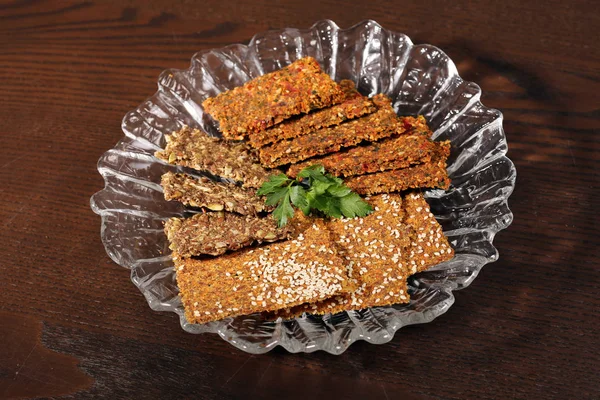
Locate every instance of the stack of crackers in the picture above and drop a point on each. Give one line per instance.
(232, 259)
(327, 266)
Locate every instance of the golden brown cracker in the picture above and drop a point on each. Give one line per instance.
(353, 106)
(306, 269)
(431, 246)
(429, 175)
(271, 98)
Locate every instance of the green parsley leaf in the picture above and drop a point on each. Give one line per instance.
(339, 190)
(352, 206)
(299, 200)
(283, 211)
(320, 187)
(314, 173)
(276, 195)
(274, 182)
(333, 207)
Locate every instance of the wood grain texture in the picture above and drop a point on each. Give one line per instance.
(69, 71)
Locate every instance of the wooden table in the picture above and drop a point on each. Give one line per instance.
(71, 322)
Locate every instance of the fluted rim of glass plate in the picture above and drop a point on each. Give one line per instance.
(426, 315)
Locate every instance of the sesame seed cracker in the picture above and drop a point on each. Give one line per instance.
(259, 281)
(431, 246)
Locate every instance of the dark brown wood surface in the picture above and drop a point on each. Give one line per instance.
(73, 325)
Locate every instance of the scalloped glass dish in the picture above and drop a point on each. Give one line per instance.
(420, 79)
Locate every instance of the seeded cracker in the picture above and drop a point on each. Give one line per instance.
(353, 106)
(374, 250)
(393, 153)
(429, 175)
(380, 124)
(216, 233)
(216, 196)
(269, 99)
(431, 246)
(269, 278)
(195, 149)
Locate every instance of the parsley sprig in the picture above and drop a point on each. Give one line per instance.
(312, 190)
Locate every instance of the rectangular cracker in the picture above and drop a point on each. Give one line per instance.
(392, 153)
(429, 175)
(380, 124)
(215, 196)
(353, 106)
(269, 99)
(195, 149)
(373, 244)
(431, 246)
(215, 233)
(374, 249)
(306, 269)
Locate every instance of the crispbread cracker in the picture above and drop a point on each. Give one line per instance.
(286, 274)
(353, 106)
(271, 98)
(392, 153)
(431, 246)
(427, 246)
(215, 233)
(193, 148)
(429, 175)
(374, 250)
(207, 193)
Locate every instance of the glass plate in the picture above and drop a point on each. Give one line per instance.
(420, 79)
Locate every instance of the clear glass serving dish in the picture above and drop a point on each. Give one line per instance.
(420, 79)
